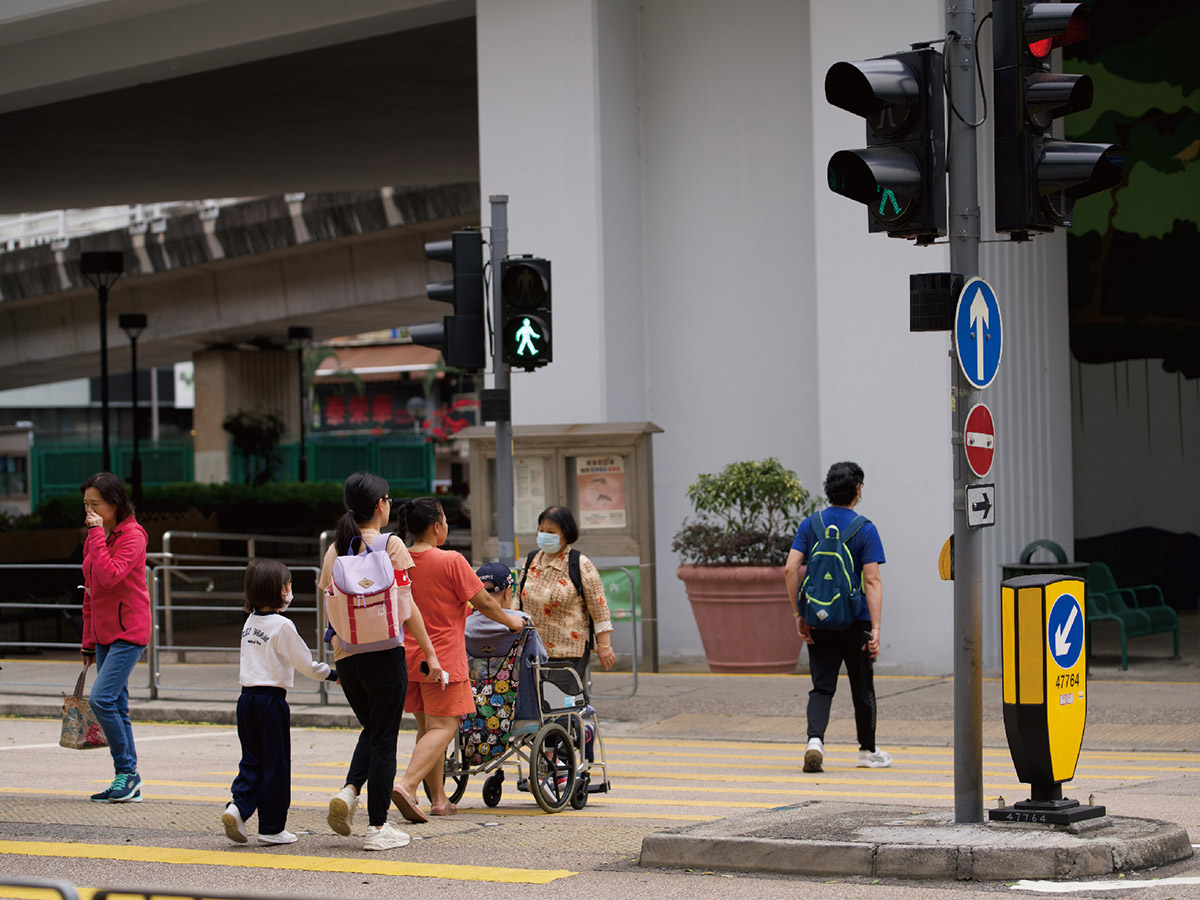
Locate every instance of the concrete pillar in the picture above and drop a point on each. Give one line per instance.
(229, 380)
(565, 151)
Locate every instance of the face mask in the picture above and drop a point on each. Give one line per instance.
(547, 543)
(287, 601)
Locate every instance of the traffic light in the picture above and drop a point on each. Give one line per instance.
(1039, 178)
(460, 336)
(901, 176)
(525, 311)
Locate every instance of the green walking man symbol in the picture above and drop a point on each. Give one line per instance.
(525, 336)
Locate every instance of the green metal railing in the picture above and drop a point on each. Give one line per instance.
(405, 460)
(60, 468)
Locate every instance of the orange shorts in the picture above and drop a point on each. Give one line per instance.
(455, 699)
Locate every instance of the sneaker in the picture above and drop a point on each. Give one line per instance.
(814, 755)
(874, 759)
(386, 837)
(341, 810)
(235, 825)
(283, 837)
(126, 788)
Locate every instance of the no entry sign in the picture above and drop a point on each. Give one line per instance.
(979, 439)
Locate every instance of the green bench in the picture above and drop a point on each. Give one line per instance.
(1137, 611)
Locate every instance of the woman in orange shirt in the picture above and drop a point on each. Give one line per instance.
(444, 588)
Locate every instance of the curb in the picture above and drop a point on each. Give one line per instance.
(895, 843)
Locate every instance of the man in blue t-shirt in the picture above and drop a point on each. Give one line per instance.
(856, 646)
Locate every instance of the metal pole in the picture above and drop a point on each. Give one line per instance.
(962, 162)
(505, 532)
(106, 458)
(300, 376)
(137, 458)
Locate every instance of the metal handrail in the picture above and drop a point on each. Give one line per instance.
(64, 889)
(74, 607)
(251, 541)
(156, 647)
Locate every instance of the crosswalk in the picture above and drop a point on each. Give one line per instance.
(656, 783)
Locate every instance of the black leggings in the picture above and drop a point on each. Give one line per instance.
(375, 685)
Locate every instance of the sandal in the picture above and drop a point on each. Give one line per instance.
(408, 807)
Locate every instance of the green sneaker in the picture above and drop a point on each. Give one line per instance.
(126, 788)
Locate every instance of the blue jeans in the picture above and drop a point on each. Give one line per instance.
(110, 700)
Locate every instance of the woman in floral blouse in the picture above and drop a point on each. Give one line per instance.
(547, 594)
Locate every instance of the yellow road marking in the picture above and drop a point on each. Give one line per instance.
(510, 811)
(182, 856)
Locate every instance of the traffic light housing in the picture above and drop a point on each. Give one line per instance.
(1038, 178)
(459, 336)
(525, 312)
(901, 175)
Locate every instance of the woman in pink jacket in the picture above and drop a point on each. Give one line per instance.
(116, 621)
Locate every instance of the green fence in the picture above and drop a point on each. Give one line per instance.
(406, 461)
(60, 468)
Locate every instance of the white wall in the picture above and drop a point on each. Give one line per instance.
(885, 392)
(678, 183)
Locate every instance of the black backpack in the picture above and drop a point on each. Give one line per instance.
(576, 579)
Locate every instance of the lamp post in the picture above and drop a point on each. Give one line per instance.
(101, 269)
(133, 324)
(301, 336)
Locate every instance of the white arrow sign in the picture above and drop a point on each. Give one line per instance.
(979, 313)
(1061, 644)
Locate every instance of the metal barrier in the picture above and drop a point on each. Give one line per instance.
(63, 889)
(65, 608)
(173, 561)
(163, 574)
(623, 564)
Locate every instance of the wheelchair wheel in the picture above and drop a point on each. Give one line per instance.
(552, 767)
(579, 796)
(460, 781)
(492, 788)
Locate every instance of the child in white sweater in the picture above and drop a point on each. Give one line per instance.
(272, 651)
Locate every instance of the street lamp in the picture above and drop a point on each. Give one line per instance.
(133, 324)
(101, 269)
(301, 336)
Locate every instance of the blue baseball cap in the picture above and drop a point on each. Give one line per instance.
(497, 573)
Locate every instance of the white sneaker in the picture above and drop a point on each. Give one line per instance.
(874, 759)
(386, 837)
(235, 825)
(341, 810)
(814, 755)
(283, 837)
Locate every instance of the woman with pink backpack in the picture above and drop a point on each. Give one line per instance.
(369, 613)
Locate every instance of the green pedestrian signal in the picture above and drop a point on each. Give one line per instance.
(900, 175)
(525, 312)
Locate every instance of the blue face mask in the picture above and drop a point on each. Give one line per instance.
(548, 543)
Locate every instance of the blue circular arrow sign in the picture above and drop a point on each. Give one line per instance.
(979, 337)
(1064, 631)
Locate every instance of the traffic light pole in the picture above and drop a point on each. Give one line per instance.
(504, 455)
(962, 162)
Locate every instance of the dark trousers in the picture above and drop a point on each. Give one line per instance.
(375, 685)
(264, 779)
(825, 657)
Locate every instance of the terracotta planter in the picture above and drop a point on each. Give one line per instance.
(745, 620)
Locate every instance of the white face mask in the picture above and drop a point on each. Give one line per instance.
(287, 601)
(548, 543)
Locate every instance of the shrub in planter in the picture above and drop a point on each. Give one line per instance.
(733, 552)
